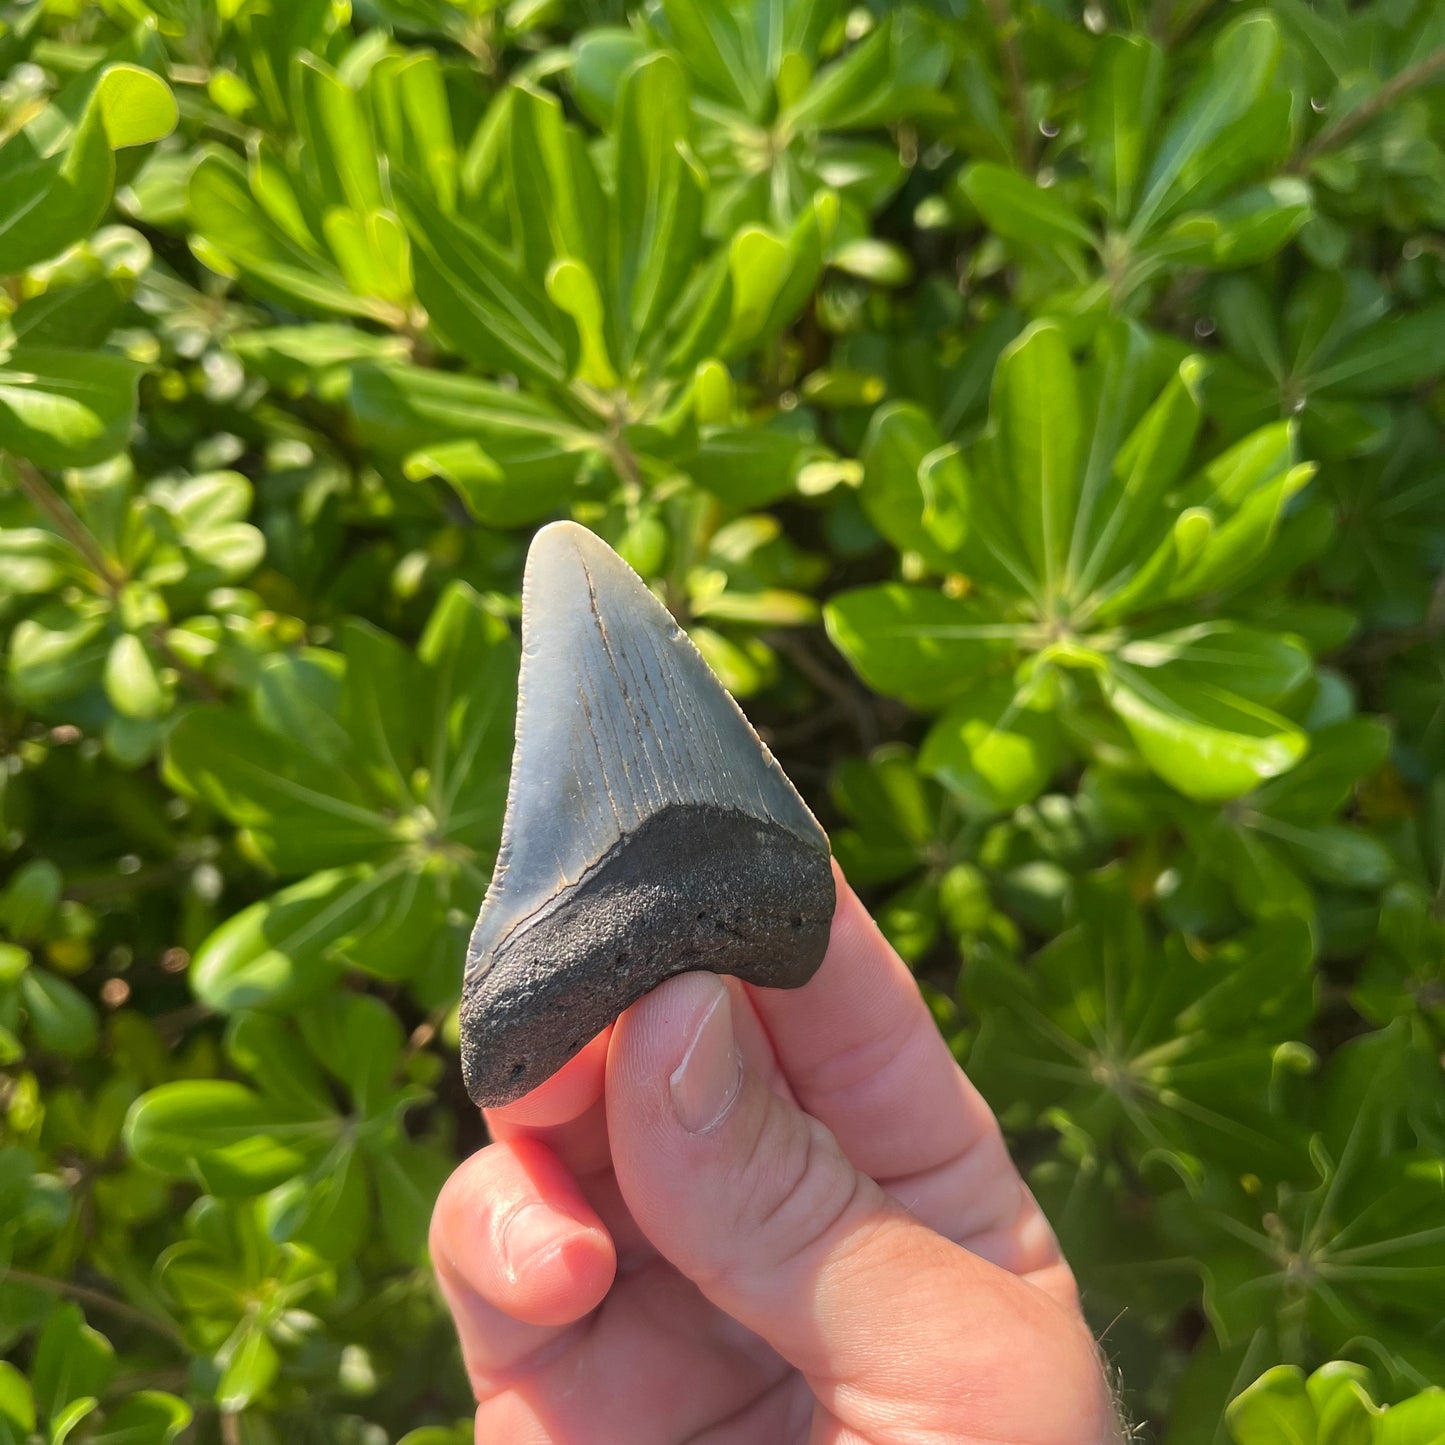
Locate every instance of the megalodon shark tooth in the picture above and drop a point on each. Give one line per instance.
(648, 831)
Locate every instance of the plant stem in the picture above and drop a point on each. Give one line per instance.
(1013, 70)
(1352, 122)
(97, 1299)
(49, 501)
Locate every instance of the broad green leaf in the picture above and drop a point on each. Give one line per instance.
(281, 951)
(1036, 406)
(1256, 223)
(233, 233)
(758, 263)
(414, 121)
(572, 288)
(1275, 1410)
(53, 190)
(1391, 356)
(300, 811)
(149, 1417)
(601, 57)
(57, 652)
(1022, 210)
(1241, 65)
(224, 1135)
(657, 216)
(751, 466)
(1209, 743)
(479, 301)
(1148, 463)
(916, 643)
(339, 145)
(919, 509)
(66, 408)
(133, 681)
(407, 410)
(1262, 666)
(249, 1363)
(714, 41)
(17, 1401)
(61, 1018)
(136, 106)
(72, 1361)
(556, 202)
(31, 897)
(1121, 110)
(327, 1210)
(997, 749)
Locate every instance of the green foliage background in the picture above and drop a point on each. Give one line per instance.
(1034, 413)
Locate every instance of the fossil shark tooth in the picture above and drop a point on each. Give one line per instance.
(648, 831)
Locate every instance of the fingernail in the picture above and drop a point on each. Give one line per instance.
(532, 1233)
(707, 1080)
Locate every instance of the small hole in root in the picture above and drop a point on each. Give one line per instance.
(518, 1070)
(797, 920)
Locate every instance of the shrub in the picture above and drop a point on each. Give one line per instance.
(1034, 413)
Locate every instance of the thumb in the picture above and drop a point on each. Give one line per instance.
(894, 1325)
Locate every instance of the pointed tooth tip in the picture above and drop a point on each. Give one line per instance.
(559, 541)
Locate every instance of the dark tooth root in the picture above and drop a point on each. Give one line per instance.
(770, 910)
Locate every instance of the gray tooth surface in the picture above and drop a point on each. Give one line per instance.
(648, 829)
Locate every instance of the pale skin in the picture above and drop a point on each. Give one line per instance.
(756, 1215)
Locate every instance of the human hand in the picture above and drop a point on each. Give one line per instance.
(759, 1216)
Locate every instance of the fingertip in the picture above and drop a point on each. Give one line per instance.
(512, 1229)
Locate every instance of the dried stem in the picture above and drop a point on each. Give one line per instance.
(97, 1299)
(1352, 122)
(1004, 27)
(54, 506)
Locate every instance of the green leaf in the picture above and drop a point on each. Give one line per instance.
(1036, 407)
(922, 509)
(281, 951)
(997, 749)
(751, 466)
(53, 190)
(31, 897)
(231, 1140)
(136, 106)
(301, 813)
(17, 1402)
(1121, 109)
(657, 219)
(1241, 65)
(1209, 743)
(133, 681)
(1256, 223)
(72, 1362)
(1022, 210)
(915, 643)
(556, 202)
(232, 232)
(572, 289)
(406, 412)
(149, 1417)
(61, 1017)
(1275, 1410)
(327, 1210)
(1393, 355)
(249, 1363)
(478, 301)
(66, 408)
